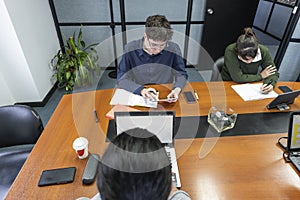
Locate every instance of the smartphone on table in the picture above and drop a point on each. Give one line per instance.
(189, 97)
(285, 88)
(57, 176)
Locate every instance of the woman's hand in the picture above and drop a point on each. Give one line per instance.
(265, 88)
(268, 71)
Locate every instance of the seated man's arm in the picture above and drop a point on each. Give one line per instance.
(180, 73)
(124, 77)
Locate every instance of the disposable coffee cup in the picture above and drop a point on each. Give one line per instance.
(80, 145)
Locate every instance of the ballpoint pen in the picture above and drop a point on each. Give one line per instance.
(196, 95)
(166, 99)
(269, 83)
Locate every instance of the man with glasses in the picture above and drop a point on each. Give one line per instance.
(153, 59)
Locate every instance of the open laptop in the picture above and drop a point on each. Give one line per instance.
(293, 142)
(160, 123)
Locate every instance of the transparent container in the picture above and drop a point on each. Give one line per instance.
(221, 118)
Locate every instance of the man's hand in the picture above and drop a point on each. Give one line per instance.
(150, 93)
(268, 71)
(173, 96)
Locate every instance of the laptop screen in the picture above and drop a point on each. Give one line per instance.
(160, 123)
(294, 132)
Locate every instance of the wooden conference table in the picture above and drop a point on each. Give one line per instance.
(239, 167)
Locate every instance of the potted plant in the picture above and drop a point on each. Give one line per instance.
(75, 64)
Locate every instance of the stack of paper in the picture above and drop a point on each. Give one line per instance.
(123, 97)
(252, 91)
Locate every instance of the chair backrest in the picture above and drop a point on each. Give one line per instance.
(216, 69)
(19, 124)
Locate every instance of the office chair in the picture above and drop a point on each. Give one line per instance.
(216, 69)
(20, 128)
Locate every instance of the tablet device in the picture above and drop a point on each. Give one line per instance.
(57, 176)
(285, 98)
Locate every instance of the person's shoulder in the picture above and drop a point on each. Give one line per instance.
(264, 51)
(133, 45)
(231, 47)
(179, 195)
(263, 48)
(230, 50)
(172, 45)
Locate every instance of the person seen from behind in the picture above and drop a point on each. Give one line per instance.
(135, 166)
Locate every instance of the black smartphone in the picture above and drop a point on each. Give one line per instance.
(189, 97)
(285, 88)
(57, 176)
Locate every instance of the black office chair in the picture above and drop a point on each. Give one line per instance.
(216, 69)
(20, 128)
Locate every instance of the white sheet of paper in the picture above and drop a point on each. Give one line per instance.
(251, 91)
(123, 97)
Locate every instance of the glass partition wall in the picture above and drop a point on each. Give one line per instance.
(109, 23)
(114, 23)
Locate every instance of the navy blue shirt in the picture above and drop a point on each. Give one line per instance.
(137, 68)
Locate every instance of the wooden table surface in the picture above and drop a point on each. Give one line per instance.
(238, 167)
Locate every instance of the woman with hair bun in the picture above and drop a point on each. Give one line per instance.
(243, 59)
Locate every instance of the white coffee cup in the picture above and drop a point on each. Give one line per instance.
(80, 145)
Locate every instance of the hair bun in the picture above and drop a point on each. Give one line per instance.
(249, 32)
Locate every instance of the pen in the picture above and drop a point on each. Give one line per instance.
(170, 99)
(269, 83)
(196, 95)
(96, 116)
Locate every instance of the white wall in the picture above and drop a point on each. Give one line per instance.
(28, 42)
(7, 97)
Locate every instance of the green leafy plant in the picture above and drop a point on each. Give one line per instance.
(75, 64)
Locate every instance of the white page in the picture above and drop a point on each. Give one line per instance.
(252, 91)
(123, 97)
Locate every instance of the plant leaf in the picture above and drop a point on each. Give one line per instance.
(68, 75)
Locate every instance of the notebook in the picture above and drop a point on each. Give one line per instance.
(293, 143)
(160, 123)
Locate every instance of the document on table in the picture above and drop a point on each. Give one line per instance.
(251, 91)
(123, 97)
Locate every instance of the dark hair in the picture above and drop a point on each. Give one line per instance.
(247, 44)
(158, 28)
(135, 166)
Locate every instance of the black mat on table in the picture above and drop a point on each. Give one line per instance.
(246, 124)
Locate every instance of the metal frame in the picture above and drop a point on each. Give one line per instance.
(112, 24)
